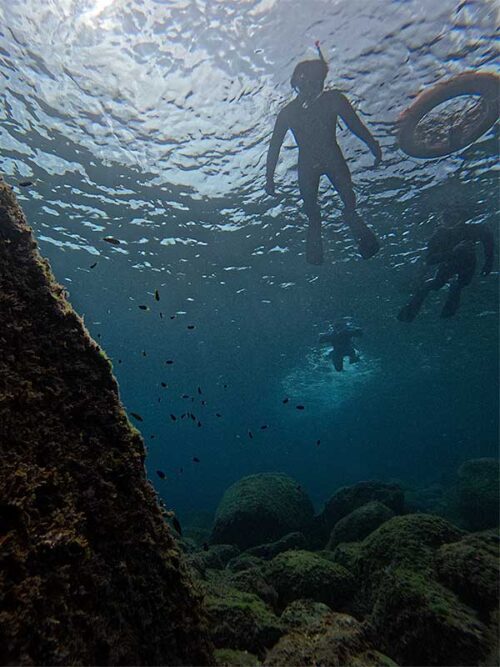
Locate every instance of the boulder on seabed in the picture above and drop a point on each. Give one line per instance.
(358, 524)
(259, 509)
(303, 574)
(478, 493)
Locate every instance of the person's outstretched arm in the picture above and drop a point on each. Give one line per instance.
(345, 110)
(280, 129)
(481, 232)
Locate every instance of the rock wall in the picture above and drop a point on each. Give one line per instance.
(89, 572)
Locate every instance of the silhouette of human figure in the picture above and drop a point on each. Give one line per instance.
(312, 117)
(452, 249)
(340, 338)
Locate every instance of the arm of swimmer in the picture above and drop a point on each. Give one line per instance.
(280, 129)
(345, 110)
(484, 234)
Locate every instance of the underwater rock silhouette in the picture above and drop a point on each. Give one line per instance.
(348, 498)
(259, 509)
(360, 523)
(478, 493)
(91, 573)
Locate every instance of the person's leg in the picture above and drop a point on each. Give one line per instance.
(409, 312)
(466, 266)
(340, 177)
(338, 360)
(308, 185)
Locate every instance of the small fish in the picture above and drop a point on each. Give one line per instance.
(181, 470)
(196, 459)
(161, 316)
(119, 361)
(135, 415)
(176, 525)
(199, 390)
(218, 414)
(25, 184)
(263, 427)
(299, 407)
(203, 402)
(142, 307)
(144, 353)
(285, 400)
(164, 384)
(172, 317)
(161, 474)
(250, 435)
(205, 546)
(173, 417)
(318, 443)
(193, 417)
(190, 326)
(185, 396)
(157, 295)
(225, 386)
(112, 240)
(92, 266)
(199, 424)
(169, 361)
(152, 436)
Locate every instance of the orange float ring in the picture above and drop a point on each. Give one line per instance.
(447, 140)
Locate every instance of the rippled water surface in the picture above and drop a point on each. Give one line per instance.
(148, 121)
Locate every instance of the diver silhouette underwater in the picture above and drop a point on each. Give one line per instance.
(452, 249)
(312, 118)
(340, 336)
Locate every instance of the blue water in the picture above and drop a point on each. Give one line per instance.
(149, 121)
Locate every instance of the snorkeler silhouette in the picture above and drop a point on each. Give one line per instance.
(452, 249)
(312, 118)
(340, 338)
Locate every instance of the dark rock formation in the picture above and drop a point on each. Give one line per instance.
(336, 640)
(287, 542)
(260, 509)
(303, 574)
(358, 524)
(90, 573)
(349, 498)
(478, 492)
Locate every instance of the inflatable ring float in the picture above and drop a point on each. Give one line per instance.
(424, 134)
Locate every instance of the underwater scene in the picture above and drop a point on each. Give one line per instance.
(249, 406)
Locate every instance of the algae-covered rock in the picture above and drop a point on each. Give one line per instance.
(360, 523)
(244, 562)
(348, 498)
(259, 509)
(303, 612)
(470, 568)
(303, 574)
(227, 657)
(478, 493)
(253, 581)
(336, 640)
(241, 621)
(422, 623)
(267, 551)
(215, 557)
(91, 574)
